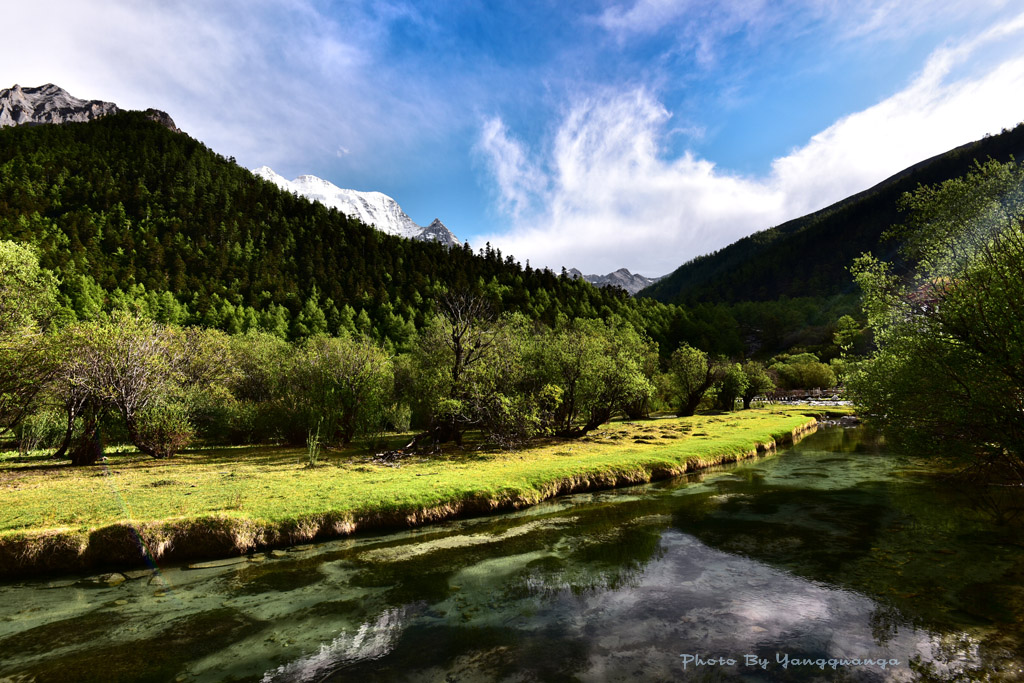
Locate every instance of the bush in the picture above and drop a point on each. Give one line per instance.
(42, 429)
(162, 428)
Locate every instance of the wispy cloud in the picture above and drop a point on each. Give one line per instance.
(615, 199)
(266, 82)
(643, 16)
(519, 181)
(702, 27)
(897, 19)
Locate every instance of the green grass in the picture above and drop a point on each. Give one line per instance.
(212, 502)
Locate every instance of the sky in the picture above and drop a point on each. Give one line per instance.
(595, 135)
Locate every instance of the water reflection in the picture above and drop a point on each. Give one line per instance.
(834, 550)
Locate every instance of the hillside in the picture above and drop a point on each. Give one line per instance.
(129, 213)
(809, 256)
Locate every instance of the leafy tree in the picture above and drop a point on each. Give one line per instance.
(134, 367)
(341, 385)
(648, 362)
(261, 362)
(759, 382)
(847, 334)
(28, 293)
(460, 338)
(28, 304)
(732, 383)
(692, 375)
(598, 368)
(506, 394)
(207, 371)
(948, 376)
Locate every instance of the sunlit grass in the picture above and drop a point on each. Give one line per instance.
(271, 488)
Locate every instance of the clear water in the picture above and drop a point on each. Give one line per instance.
(831, 550)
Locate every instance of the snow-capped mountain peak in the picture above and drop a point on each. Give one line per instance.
(373, 208)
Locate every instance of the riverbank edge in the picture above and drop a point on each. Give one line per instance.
(131, 544)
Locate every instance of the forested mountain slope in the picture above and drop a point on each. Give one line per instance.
(128, 213)
(809, 256)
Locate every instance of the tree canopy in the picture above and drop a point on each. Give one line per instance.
(948, 375)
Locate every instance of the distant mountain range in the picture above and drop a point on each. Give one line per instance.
(51, 104)
(810, 256)
(628, 281)
(373, 208)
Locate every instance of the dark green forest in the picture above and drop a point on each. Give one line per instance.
(129, 249)
(810, 256)
(129, 214)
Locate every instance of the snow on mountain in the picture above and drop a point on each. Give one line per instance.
(438, 232)
(628, 281)
(373, 208)
(52, 104)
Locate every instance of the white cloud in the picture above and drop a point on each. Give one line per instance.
(612, 199)
(644, 16)
(703, 27)
(519, 181)
(275, 83)
(897, 19)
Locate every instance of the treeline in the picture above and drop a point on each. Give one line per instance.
(69, 384)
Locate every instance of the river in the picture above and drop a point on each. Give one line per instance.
(832, 560)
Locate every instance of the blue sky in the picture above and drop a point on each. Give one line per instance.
(636, 133)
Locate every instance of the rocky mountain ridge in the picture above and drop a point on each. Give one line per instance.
(372, 208)
(28, 106)
(631, 282)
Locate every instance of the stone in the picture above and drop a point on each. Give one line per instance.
(138, 574)
(218, 563)
(112, 579)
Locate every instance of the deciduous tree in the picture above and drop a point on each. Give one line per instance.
(692, 374)
(28, 303)
(759, 382)
(948, 376)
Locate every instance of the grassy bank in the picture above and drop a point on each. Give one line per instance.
(224, 502)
